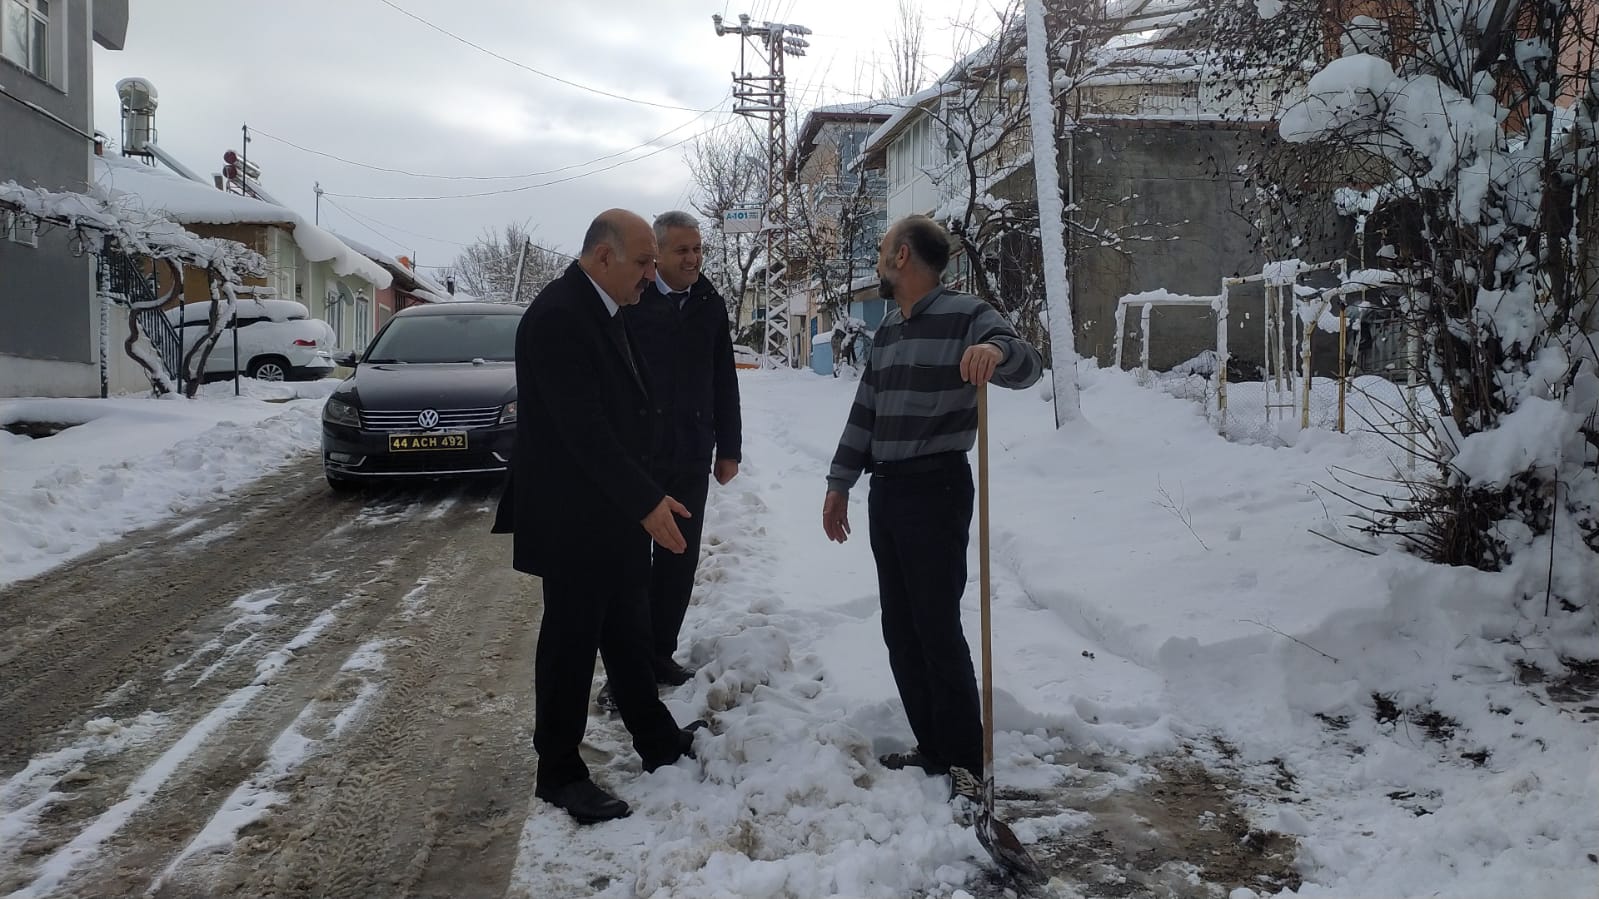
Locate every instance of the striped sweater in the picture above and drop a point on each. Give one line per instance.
(911, 400)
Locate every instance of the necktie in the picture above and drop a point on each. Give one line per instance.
(680, 297)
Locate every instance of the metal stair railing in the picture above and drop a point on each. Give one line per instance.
(133, 287)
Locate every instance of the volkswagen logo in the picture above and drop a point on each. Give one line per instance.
(428, 419)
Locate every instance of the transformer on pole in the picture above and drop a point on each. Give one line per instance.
(764, 97)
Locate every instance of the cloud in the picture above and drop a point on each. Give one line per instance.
(366, 82)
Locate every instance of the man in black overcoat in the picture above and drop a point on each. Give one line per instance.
(680, 327)
(584, 511)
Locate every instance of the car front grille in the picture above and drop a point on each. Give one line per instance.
(449, 419)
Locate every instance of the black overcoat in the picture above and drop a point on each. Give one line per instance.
(579, 484)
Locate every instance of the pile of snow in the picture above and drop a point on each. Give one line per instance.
(128, 462)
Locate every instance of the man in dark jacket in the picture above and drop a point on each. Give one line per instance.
(680, 327)
(584, 510)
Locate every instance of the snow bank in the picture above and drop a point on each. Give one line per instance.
(130, 462)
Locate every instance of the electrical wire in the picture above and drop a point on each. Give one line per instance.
(372, 223)
(379, 168)
(525, 187)
(593, 90)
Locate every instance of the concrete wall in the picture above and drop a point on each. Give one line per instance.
(48, 342)
(1183, 179)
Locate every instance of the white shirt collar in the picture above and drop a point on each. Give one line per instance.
(665, 288)
(610, 305)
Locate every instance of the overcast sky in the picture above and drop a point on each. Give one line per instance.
(363, 80)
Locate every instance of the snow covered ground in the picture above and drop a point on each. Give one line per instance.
(128, 462)
(1158, 592)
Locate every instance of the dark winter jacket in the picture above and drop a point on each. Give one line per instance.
(689, 357)
(579, 484)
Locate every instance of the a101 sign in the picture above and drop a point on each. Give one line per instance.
(741, 220)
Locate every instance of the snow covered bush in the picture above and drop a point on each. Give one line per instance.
(1468, 134)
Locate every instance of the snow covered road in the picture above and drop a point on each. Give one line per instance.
(296, 693)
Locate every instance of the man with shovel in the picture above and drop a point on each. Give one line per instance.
(914, 419)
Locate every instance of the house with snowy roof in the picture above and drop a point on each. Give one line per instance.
(305, 262)
(840, 212)
(410, 286)
(1156, 161)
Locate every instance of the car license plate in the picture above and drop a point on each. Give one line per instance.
(442, 440)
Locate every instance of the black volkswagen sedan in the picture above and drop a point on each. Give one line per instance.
(434, 395)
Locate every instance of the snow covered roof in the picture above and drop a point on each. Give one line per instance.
(868, 112)
(425, 287)
(193, 203)
(904, 107)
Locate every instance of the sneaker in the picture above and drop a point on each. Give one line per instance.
(964, 785)
(896, 761)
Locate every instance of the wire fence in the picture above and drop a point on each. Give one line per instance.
(1382, 417)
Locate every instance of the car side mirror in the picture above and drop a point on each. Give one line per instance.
(345, 359)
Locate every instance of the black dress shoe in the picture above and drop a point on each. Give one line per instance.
(896, 761)
(685, 746)
(671, 674)
(585, 802)
(686, 740)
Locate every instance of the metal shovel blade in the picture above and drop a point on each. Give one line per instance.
(1001, 842)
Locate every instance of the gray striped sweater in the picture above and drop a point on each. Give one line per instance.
(911, 400)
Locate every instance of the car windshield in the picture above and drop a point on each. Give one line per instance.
(456, 337)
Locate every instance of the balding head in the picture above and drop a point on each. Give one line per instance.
(619, 253)
(911, 259)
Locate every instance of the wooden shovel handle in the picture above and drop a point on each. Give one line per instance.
(983, 580)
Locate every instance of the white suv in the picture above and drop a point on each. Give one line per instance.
(278, 339)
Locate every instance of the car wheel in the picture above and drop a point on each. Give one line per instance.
(341, 485)
(269, 368)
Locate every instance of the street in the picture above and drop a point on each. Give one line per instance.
(170, 687)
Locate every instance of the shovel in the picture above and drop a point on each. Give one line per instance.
(995, 835)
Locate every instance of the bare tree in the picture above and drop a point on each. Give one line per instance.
(982, 115)
(487, 268)
(727, 168)
(906, 65)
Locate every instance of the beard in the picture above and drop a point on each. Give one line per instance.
(885, 288)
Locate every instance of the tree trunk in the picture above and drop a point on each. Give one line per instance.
(1051, 219)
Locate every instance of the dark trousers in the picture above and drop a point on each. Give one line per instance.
(672, 574)
(605, 611)
(920, 525)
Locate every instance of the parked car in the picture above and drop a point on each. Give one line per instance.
(434, 395)
(744, 357)
(278, 340)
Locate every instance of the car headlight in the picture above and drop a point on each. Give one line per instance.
(508, 413)
(338, 412)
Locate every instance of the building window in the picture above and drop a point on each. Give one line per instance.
(363, 320)
(25, 34)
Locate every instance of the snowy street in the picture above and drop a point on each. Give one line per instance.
(293, 692)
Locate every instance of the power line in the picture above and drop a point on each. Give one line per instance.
(524, 66)
(379, 168)
(512, 190)
(371, 223)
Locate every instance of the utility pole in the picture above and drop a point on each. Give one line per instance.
(316, 188)
(765, 97)
(516, 283)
